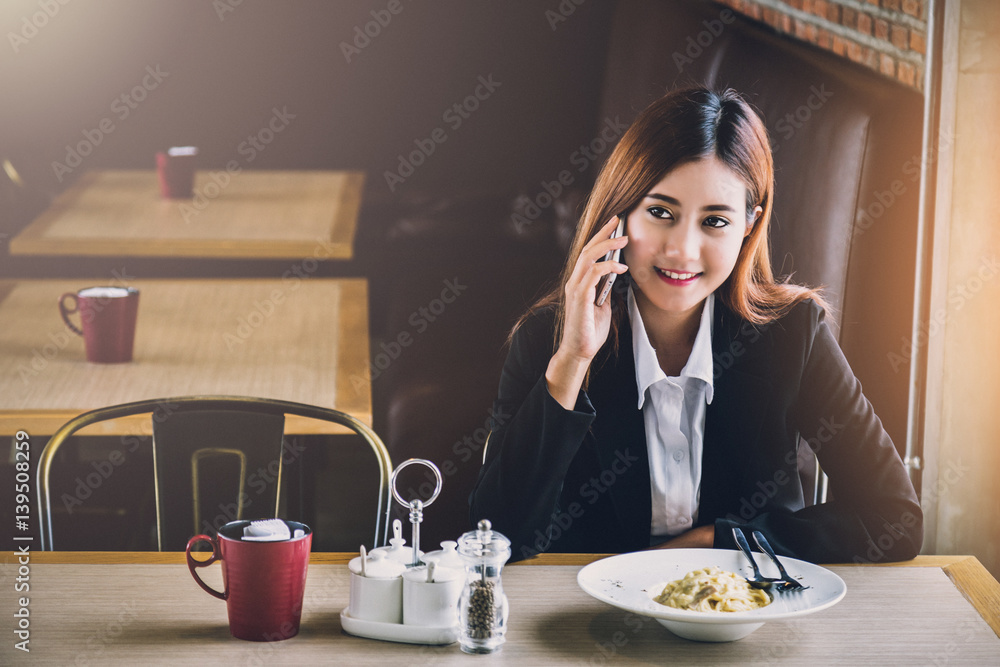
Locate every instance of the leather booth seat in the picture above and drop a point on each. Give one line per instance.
(846, 143)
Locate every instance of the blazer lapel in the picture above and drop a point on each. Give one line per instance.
(733, 420)
(621, 440)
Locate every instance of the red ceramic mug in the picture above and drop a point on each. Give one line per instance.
(107, 315)
(264, 581)
(175, 169)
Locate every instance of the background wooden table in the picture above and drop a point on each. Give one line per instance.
(303, 340)
(256, 214)
(145, 609)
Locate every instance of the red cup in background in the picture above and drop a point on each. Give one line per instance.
(264, 581)
(176, 169)
(108, 316)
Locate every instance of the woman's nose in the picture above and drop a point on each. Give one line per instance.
(681, 242)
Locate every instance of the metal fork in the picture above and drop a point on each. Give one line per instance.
(758, 580)
(789, 584)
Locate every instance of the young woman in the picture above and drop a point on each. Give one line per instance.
(674, 411)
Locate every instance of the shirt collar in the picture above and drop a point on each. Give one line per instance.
(647, 368)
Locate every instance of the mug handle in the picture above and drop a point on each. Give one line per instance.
(65, 312)
(192, 564)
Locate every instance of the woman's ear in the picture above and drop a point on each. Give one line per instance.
(756, 216)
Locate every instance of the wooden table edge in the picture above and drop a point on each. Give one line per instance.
(968, 575)
(944, 562)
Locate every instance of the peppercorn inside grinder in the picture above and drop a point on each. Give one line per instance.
(483, 607)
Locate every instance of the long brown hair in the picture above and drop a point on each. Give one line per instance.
(683, 126)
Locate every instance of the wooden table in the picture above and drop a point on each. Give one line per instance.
(110, 608)
(297, 339)
(253, 214)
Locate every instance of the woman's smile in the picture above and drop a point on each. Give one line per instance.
(676, 277)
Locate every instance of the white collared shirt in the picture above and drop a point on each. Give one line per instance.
(673, 411)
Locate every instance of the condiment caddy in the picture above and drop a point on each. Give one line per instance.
(400, 594)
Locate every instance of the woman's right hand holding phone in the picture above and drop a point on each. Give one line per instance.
(586, 325)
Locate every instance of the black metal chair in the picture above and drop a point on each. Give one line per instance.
(199, 442)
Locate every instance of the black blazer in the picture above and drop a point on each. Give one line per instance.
(578, 481)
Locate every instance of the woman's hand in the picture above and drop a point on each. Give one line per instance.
(586, 326)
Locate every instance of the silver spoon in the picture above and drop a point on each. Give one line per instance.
(758, 580)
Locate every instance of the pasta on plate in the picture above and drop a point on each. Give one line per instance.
(712, 589)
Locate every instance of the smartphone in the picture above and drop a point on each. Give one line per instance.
(604, 286)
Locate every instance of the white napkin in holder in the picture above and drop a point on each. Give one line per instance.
(268, 530)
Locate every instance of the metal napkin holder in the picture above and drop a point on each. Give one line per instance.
(416, 506)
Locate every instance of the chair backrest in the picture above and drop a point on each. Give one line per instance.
(207, 452)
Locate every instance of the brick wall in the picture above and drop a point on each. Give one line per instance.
(889, 36)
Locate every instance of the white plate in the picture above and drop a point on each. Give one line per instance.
(631, 581)
(397, 632)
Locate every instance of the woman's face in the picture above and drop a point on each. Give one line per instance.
(685, 235)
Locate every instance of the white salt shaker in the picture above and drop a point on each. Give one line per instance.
(430, 595)
(376, 588)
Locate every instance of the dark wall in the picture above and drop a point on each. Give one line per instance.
(222, 73)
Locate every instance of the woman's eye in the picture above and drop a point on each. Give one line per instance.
(660, 212)
(715, 222)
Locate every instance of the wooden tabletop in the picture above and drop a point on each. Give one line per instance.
(297, 339)
(112, 608)
(250, 214)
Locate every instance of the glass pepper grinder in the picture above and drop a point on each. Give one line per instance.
(483, 605)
